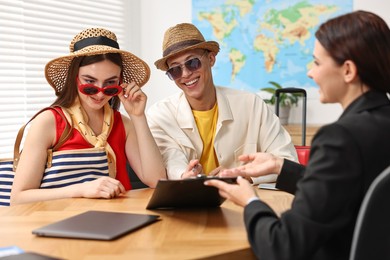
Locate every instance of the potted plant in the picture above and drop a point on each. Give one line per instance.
(286, 100)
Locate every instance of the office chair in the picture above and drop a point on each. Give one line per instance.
(371, 238)
(136, 183)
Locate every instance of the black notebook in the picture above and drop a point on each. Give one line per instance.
(97, 225)
(186, 193)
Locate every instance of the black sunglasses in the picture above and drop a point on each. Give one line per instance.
(192, 65)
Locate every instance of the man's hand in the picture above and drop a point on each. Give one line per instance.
(193, 169)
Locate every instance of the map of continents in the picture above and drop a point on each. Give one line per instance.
(264, 40)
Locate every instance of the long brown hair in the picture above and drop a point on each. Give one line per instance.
(363, 38)
(68, 95)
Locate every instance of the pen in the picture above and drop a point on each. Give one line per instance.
(195, 168)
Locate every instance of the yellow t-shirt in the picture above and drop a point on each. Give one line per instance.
(206, 122)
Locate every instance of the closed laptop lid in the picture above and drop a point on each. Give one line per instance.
(98, 225)
(185, 193)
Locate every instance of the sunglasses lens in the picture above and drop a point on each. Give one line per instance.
(174, 72)
(112, 91)
(90, 90)
(193, 64)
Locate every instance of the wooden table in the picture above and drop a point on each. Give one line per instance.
(216, 233)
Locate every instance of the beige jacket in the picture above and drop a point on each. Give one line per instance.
(245, 125)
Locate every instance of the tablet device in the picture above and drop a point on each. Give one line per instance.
(96, 225)
(186, 193)
(268, 186)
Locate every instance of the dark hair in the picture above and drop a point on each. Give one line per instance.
(68, 95)
(363, 38)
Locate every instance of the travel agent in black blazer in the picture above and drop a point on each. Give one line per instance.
(345, 156)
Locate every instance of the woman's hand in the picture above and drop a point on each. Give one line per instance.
(133, 99)
(239, 193)
(104, 187)
(255, 165)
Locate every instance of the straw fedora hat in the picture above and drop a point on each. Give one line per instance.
(94, 41)
(183, 37)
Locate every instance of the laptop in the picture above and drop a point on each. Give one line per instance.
(186, 193)
(96, 225)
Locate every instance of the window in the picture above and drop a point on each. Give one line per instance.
(31, 34)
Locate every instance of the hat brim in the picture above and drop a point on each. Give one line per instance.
(134, 68)
(208, 45)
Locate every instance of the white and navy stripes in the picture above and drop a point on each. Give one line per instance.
(67, 168)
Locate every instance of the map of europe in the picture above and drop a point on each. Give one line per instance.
(264, 40)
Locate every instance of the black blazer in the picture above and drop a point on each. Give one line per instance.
(345, 158)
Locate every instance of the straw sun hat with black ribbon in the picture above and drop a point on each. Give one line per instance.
(180, 38)
(94, 41)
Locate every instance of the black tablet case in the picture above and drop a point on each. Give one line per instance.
(186, 193)
(96, 225)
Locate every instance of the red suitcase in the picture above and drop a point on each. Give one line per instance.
(303, 150)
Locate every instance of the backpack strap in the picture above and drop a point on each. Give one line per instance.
(64, 136)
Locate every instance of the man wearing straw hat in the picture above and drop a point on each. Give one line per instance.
(205, 128)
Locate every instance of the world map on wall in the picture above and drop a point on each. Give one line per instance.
(264, 40)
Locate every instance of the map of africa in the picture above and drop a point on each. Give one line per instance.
(264, 40)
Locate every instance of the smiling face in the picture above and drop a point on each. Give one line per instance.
(328, 75)
(197, 85)
(100, 74)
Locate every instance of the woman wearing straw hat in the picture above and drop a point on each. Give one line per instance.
(205, 128)
(90, 83)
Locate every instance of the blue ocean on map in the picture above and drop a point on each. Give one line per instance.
(254, 39)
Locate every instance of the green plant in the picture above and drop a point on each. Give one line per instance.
(285, 99)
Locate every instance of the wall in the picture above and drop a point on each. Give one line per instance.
(156, 16)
